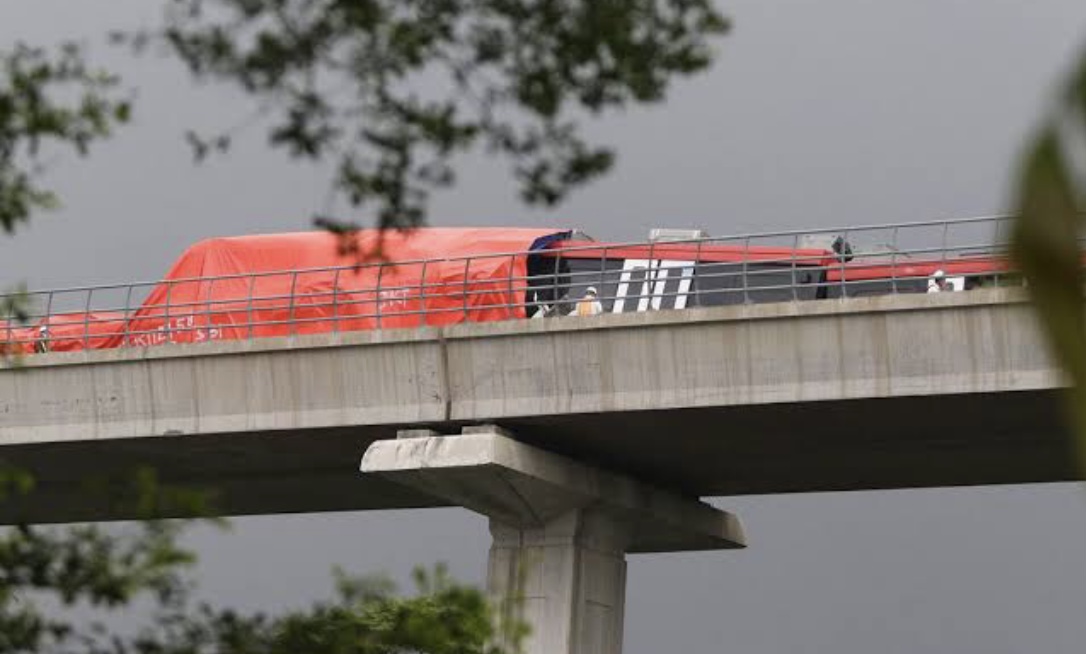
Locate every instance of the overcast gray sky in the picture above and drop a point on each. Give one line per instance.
(817, 114)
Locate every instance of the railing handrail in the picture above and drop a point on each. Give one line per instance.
(749, 279)
(592, 245)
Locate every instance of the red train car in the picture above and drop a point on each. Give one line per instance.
(306, 283)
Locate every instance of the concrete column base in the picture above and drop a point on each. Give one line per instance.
(561, 528)
(566, 580)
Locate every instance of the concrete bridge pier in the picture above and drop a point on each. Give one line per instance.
(567, 579)
(561, 529)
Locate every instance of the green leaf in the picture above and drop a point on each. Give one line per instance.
(48, 99)
(1051, 204)
(338, 80)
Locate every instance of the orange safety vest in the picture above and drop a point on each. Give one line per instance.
(588, 307)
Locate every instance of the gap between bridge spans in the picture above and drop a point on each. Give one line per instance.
(561, 529)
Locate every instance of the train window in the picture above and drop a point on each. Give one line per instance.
(548, 282)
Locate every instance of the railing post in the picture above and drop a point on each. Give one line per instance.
(841, 262)
(946, 228)
(290, 310)
(166, 321)
(378, 299)
(127, 315)
(650, 278)
(210, 303)
(335, 303)
(86, 319)
(512, 307)
(746, 270)
(795, 247)
(599, 282)
(467, 272)
(48, 341)
(249, 309)
(694, 276)
(893, 262)
(998, 243)
(557, 261)
(5, 344)
(422, 294)
(1000, 248)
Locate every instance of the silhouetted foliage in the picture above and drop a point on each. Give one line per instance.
(1051, 199)
(390, 90)
(46, 572)
(393, 89)
(48, 101)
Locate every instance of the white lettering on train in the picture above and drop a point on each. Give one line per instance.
(394, 299)
(653, 275)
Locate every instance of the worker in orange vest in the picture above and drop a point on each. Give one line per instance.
(589, 305)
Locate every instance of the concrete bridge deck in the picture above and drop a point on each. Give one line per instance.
(865, 393)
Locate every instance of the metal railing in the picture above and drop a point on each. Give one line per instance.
(794, 266)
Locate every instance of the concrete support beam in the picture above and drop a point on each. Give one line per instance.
(561, 529)
(488, 472)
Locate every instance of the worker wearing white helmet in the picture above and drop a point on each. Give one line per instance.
(41, 345)
(589, 305)
(938, 283)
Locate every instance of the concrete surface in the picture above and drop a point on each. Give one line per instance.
(561, 529)
(877, 392)
(524, 486)
(566, 579)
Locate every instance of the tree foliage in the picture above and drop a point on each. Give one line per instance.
(46, 572)
(47, 101)
(391, 90)
(113, 569)
(1051, 210)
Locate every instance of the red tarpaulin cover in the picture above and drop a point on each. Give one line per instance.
(65, 332)
(69, 332)
(253, 296)
(17, 337)
(8, 332)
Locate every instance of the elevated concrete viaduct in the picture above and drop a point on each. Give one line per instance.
(865, 393)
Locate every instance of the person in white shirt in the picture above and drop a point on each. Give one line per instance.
(41, 346)
(937, 283)
(589, 305)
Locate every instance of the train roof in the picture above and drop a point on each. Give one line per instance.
(700, 252)
(322, 249)
(883, 269)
